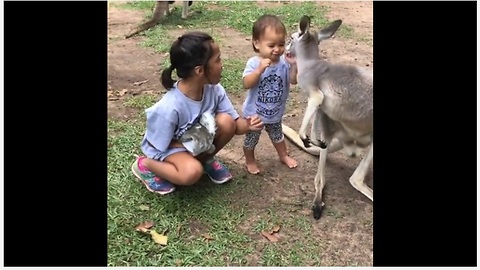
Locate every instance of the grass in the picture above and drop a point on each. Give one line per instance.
(238, 15)
(141, 101)
(205, 203)
(235, 14)
(222, 211)
(185, 215)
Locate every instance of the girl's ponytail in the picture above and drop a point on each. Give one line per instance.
(166, 79)
(187, 52)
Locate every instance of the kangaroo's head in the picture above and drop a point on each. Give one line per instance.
(304, 43)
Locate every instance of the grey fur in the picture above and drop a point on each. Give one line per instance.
(340, 104)
(199, 137)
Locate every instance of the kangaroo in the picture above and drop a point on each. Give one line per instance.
(161, 9)
(340, 106)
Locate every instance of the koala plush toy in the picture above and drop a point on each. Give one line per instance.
(199, 137)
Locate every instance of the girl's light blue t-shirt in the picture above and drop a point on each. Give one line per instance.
(175, 113)
(268, 97)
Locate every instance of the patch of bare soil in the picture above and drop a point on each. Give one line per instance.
(359, 48)
(359, 15)
(233, 43)
(132, 70)
(345, 232)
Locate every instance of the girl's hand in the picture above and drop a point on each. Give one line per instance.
(175, 144)
(254, 123)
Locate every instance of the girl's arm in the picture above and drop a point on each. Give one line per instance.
(160, 128)
(245, 125)
(225, 106)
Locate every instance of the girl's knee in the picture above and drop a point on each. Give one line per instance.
(225, 124)
(191, 173)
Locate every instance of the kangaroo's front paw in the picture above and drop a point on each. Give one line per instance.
(306, 142)
(322, 144)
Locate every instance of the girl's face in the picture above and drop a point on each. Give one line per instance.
(214, 70)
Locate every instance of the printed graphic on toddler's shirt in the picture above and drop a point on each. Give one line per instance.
(270, 92)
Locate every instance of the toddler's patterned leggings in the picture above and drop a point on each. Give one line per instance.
(274, 131)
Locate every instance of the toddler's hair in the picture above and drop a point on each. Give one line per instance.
(262, 23)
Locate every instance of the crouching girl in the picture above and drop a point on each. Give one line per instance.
(166, 162)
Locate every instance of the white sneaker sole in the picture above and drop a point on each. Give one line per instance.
(219, 182)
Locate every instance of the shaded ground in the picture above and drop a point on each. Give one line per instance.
(345, 233)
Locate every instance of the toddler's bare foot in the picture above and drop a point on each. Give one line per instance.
(252, 168)
(290, 162)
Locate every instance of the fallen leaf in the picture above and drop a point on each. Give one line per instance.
(207, 236)
(275, 229)
(271, 238)
(159, 238)
(144, 207)
(144, 226)
(178, 262)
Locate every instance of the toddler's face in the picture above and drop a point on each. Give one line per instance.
(271, 44)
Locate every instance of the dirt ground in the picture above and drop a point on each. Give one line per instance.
(350, 229)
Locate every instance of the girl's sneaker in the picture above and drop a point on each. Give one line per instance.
(152, 182)
(217, 172)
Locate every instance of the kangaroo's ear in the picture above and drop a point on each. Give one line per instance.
(328, 31)
(304, 25)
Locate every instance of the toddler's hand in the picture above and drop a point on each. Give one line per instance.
(263, 65)
(289, 59)
(254, 123)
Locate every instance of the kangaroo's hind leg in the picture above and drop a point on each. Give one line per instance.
(320, 181)
(322, 123)
(185, 10)
(357, 180)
